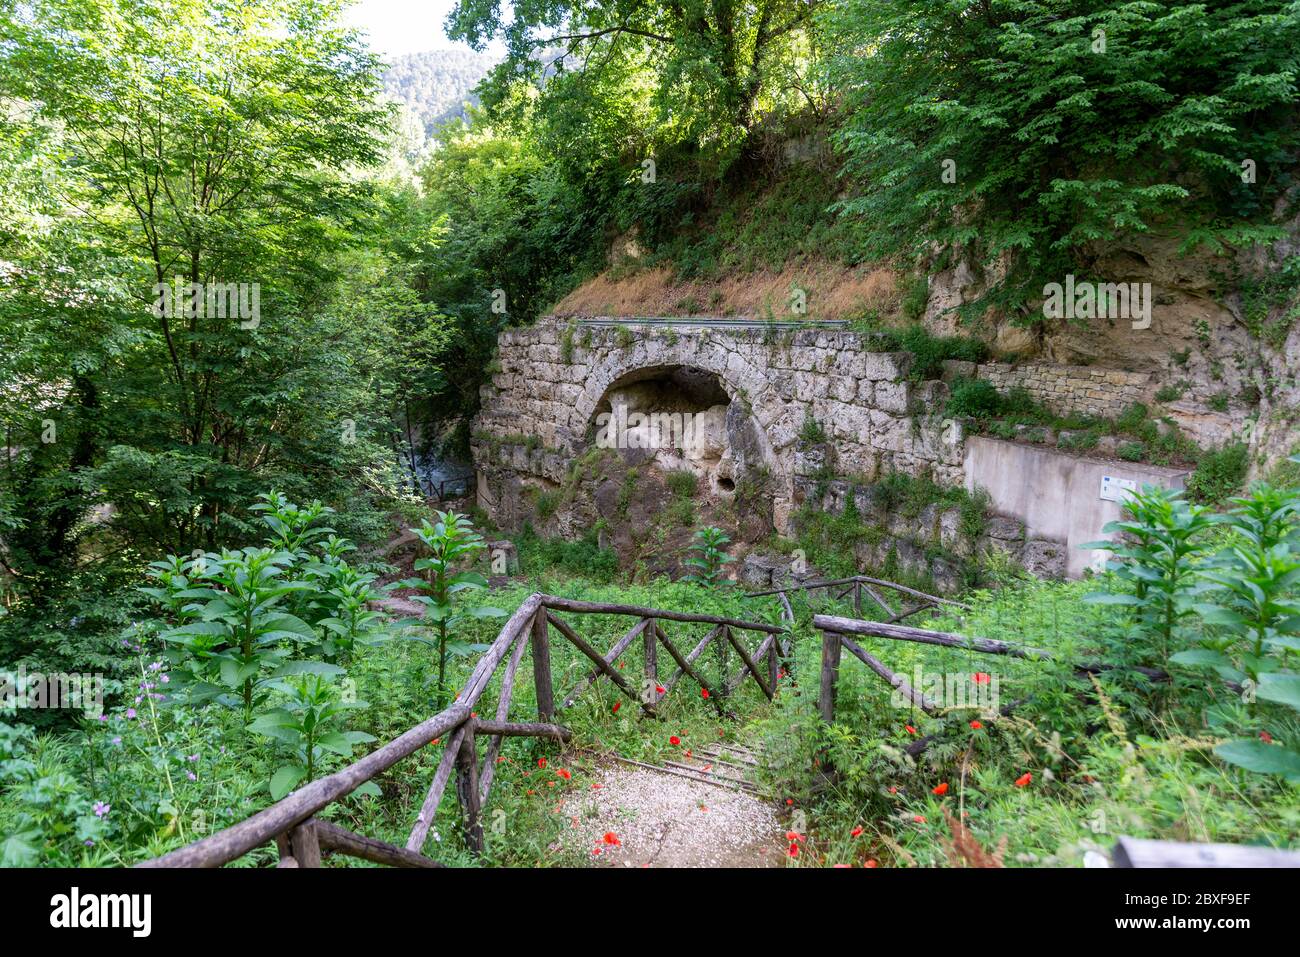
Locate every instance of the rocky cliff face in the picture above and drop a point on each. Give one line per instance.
(1220, 351)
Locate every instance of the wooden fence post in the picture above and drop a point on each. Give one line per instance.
(772, 668)
(651, 664)
(286, 852)
(467, 788)
(542, 667)
(857, 599)
(304, 844)
(830, 675)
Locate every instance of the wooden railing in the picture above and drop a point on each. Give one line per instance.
(457, 486)
(837, 637)
(301, 837)
(857, 586)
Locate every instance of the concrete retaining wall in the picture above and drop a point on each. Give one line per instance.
(1057, 495)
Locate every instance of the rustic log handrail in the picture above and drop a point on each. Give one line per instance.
(1134, 852)
(606, 608)
(859, 583)
(988, 646)
(836, 630)
(300, 836)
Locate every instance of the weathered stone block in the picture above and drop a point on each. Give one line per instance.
(810, 459)
(893, 397)
(1044, 559)
(954, 369)
(1002, 528)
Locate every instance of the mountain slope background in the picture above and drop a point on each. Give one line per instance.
(437, 85)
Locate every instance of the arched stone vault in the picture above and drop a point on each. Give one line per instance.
(553, 376)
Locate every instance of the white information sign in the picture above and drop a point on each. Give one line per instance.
(1115, 489)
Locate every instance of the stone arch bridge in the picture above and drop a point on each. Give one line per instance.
(764, 380)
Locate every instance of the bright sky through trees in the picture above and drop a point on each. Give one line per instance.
(398, 27)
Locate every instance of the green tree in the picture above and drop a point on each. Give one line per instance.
(1061, 124)
(710, 58)
(200, 143)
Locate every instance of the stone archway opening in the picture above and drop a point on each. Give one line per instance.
(676, 418)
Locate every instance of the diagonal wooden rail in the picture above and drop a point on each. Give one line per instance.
(1128, 852)
(836, 638)
(300, 836)
(857, 585)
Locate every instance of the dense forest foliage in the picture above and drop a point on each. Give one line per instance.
(225, 287)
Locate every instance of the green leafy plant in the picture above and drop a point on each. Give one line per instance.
(351, 621)
(1252, 619)
(987, 115)
(310, 724)
(1157, 556)
(974, 398)
(240, 631)
(451, 541)
(811, 430)
(708, 556)
(1218, 474)
(52, 809)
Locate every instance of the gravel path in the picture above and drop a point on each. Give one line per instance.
(662, 820)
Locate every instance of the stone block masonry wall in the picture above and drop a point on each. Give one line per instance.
(1066, 389)
(539, 409)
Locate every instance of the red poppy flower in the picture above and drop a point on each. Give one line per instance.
(564, 773)
(940, 789)
(597, 786)
(1266, 737)
(871, 862)
(674, 740)
(789, 800)
(550, 784)
(612, 838)
(688, 752)
(706, 769)
(659, 689)
(704, 692)
(541, 762)
(531, 792)
(975, 725)
(435, 740)
(794, 850)
(617, 705)
(793, 836)
(841, 865)
(918, 819)
(893, 789)
(856, 831)
(595, 852)
(910, 729)
(622, 665)
(500, 758)
(1024, 779)
(980, 677)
